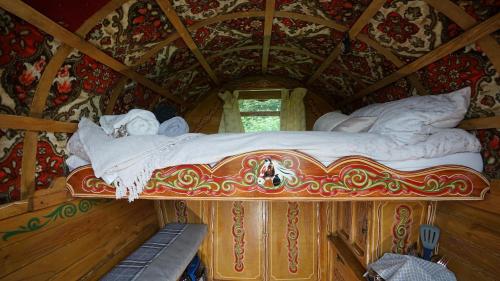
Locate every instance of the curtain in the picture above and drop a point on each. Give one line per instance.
(293, 113)
(231, 117)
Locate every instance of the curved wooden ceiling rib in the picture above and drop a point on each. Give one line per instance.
(28, 161)
(386, 52)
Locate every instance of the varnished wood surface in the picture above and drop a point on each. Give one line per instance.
(35, 124)
(268, 28)
(481, 123)
(241, 177)
(91, 240)
(470, 236)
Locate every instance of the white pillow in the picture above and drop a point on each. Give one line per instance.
(355, 125)
(329, 121)
(413, 119)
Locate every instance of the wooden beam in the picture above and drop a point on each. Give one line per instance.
(45, 24)
(261, 113)
(18, 122)
(186, 37)
(480, 123)
(458, 15)
(489, 26)
(370, 11)
(117, 91)
(268, 29)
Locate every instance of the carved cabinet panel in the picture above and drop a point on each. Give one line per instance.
(238, 241)
(293, 241)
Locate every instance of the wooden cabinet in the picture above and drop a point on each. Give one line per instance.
(288, 240)
(369, 229)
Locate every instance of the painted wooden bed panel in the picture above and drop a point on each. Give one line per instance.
(291, 175)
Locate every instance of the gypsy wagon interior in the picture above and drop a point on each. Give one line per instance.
(249, 140)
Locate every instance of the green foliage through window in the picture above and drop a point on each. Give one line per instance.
(260, 123)
(257, 105)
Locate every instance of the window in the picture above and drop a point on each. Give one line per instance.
(260, 115)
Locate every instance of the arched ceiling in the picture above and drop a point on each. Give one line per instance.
(189, 47)
(108, 56)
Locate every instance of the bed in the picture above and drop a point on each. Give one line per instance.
(292, 175)
(402, 150)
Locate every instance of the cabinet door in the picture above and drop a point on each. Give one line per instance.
(360, 229)
(293, 241)
(344, 220)
(395, 226)
(238, 241)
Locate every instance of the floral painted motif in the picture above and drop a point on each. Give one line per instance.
(410, 28)
(344, 12)
(490, 141)
(96, 77)
(51, 153)
(131, 30)
(192, 11)
(11, 153)
(398, 28)
(462, 69)
(80, 88)
(24, 53)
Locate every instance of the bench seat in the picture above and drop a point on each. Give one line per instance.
(164, 256)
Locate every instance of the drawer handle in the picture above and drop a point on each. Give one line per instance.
(339, 258)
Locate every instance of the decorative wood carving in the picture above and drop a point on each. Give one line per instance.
(292, 236)
(243, 177)
(238, 213)
(401, 229)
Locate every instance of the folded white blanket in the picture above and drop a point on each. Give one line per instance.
(174, 127)
(131, 160)
(137, 122)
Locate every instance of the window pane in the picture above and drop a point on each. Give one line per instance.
(257, 105)
(261, 123)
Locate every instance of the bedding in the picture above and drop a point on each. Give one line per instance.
(337, 122)
(413, 119)
(129, 161)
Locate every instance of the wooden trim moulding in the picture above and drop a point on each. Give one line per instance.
(17, 122)
(481, 123)
(45, 24)
(268, 29)
(186, 37)
(477, 32)
(260, 113)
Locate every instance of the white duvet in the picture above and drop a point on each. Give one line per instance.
(129, 161)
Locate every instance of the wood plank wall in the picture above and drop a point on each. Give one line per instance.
(470, 236)
(76, 240)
